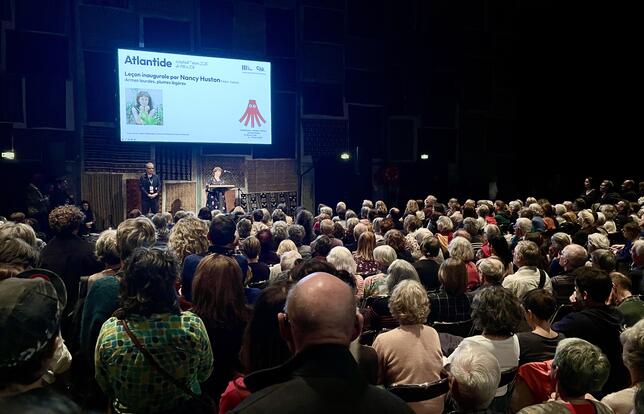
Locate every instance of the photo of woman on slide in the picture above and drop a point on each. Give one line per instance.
(143, 111)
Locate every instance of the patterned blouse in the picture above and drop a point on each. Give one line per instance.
(375, 285)
(366, 267)
(178, 342)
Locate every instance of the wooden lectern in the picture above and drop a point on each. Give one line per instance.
(229, 194)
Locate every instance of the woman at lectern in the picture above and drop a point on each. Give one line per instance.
(215, 199)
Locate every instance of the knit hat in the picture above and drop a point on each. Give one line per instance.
(30, 316)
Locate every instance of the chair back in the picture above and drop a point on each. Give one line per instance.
(561, 311)
(462, 328)
(508, 376)
(420, 392)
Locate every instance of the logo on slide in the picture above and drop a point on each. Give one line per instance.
(252, 115)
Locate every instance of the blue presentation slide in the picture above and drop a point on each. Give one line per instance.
(166, 97)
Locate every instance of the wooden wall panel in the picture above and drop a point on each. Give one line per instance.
(180, 195)
(271, 175)
(105, 195)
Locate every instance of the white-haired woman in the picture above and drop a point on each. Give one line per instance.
(461, 248)
(411, 353)
(342, 259)
(633, 355)
(377, 284)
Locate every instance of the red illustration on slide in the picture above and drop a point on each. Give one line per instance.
(252, 114)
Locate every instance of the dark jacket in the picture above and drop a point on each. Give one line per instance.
(70, 257)
(601, 326)
(145, 183)
(320, 379)
(191, 262)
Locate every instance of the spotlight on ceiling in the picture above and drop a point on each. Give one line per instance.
(424, 156)
(9, 155)
(345, 156)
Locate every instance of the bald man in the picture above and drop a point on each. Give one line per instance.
(319, 323)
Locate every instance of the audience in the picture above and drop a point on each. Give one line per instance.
(214, 286)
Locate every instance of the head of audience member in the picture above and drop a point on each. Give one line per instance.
(384, 255)
(398, 271)
(631, 231)
(286, 245)
(461, 248)
(522, 227)
(218, 292)
(396, 240)
(222, 231)
(500, 248)
(262, 346)
(134, 213)
(421, 234)
(474, 376)
(341, 210)
(258, 215)
(497, 311)
(279, 230)
(30, 315)
(322, 247)
(586, 219)
(572, 257)
(633, 351)
(64, 221)
(394, 214)
(385, 225)
(597, 241)
(491, 270)
(637, 253)
(578, 368)
(358, 229)
(592, 286)
(307, 267)
(13, 230)
(289, 259)
(148, 284)
(622, 286)
(462, 233)
(161, 226)
(17, 217)
(278, 215)
(411, 223)
(350, 214)
(308, 320)
(244, 228)
(603, 259)
(381, 209)
(409, 303)
(296, 234)
(453, 276)
(342, 259)
(539, 305)
(579, 204)
(266, 216)
(305, 219)
(558, 241)
(430, 247)
(472, 226)
(326, 228)
(338, 230)
(526, 253)
(188, 236)
(106, 250)
(444, 224)
(204, 214)
(251, 248)
(133, 233)
(366, 245)
(16, 256)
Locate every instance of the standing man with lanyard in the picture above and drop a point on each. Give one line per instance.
(150, 185)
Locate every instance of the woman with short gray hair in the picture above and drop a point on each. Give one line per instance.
(377, 284)
(578, 368)
(106, 253)
(633, 355)
(411, 353)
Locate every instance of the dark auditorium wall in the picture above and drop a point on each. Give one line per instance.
(512, 92)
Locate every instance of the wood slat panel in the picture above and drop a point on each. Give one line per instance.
(105, 195)
(180, 195)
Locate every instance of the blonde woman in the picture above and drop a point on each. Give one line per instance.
(188, 236)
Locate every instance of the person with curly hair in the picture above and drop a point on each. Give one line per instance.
(67, 254)
(188, 236)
